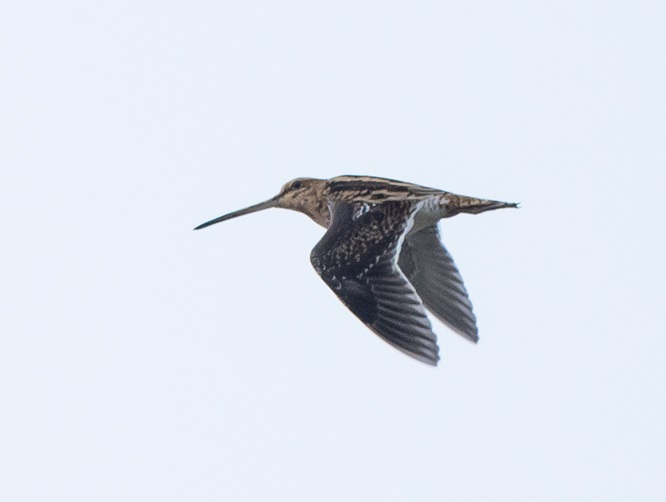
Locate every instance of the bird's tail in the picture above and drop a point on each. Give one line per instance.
(463, 204)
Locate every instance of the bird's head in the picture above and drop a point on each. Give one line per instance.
(305, 195)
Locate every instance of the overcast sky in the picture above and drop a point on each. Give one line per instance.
(140, 360)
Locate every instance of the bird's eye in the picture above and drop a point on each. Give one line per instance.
(296, 184)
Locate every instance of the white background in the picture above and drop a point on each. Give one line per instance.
(140, 360)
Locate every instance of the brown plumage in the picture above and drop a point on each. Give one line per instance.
(382, 255)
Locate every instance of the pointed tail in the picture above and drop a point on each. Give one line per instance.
(462, 204)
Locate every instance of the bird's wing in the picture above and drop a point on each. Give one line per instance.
(429, 267)
(356, 258)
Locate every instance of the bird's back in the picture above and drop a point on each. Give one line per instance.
(375, 190)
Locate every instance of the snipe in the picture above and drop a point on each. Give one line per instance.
(382, 255)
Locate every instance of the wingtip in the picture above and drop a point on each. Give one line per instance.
(468, 334)
(430, 360)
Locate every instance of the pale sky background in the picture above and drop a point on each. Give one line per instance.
(140, 360)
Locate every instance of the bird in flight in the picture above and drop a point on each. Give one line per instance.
(382, 255)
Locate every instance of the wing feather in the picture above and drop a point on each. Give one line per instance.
(357, 259)
(429, 267)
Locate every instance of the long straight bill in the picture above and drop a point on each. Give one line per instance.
(252, 209)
